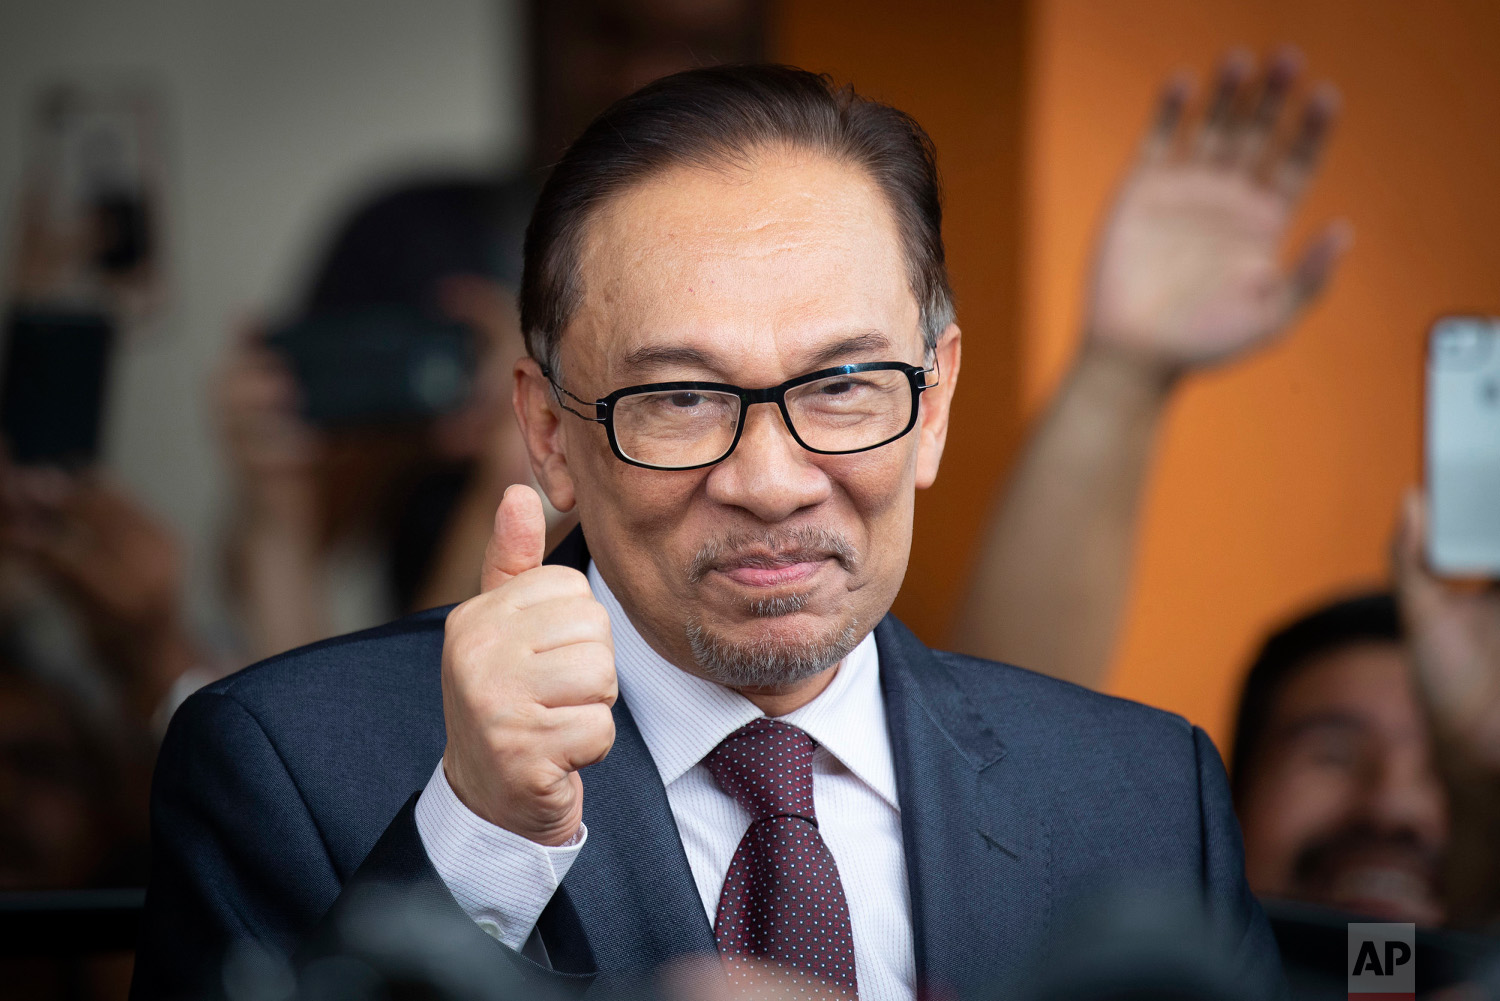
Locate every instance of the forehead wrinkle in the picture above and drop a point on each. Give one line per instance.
(840, 348)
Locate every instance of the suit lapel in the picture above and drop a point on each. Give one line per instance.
(629, 902)
(977, 853)
(631, 887)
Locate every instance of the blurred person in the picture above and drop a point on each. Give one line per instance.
(1366, 763)
(657, 745)
(336, 528)
(72, 816)
(119, 573)
(66, 528)
(1332, 769)
(1187, 275)
(71, 813)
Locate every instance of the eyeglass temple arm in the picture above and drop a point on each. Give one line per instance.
(937, 371)
(561, 392)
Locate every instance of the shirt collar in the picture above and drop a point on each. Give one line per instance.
(682, 717)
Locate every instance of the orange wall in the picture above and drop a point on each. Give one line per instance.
(959, 72)
(1279, 477)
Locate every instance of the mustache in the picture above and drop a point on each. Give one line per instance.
(1316, 861)
(772, 549)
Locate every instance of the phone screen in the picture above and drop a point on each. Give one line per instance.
(1463, 446)
(52, 390)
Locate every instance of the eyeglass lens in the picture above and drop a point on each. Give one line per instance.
(842, 413)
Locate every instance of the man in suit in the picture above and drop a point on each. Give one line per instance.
(696, 729)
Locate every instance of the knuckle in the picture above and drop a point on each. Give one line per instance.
(597, 616)
(599, 674)
(602, 733)
(536, 782)
(565, 579)
(601, 720)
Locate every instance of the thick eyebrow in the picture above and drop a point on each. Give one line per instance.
(650, 356)
(681, 355)
(870, 340)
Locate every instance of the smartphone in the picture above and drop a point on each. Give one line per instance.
(1463, 446)
(92, 161)
(378, 365)
(52, 392)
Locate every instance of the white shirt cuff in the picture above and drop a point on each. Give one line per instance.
(502, 880)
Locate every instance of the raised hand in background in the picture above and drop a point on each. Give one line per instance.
(1453, 631)
(1454, 634)
(1188, 272)
(1189, 269)
(274, 542)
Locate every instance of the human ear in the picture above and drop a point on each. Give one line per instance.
(541, 427)
(932, 424)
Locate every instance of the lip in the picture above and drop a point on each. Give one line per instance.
(759, 575)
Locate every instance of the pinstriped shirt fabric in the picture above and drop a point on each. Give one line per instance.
(501, 880)
(504, 880)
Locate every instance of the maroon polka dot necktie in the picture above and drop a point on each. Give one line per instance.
(782, 900)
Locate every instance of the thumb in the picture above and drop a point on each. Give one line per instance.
(1419, 593)
(520, 538)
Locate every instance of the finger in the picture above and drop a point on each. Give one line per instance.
(1293, 170)
(519, 540)
(1315, 268)
(1162, 136)
(576, 675)
(536, 587)
(562, 622)
(46, 490)
(1419, 591)
(1406, 545)
(250, 401)
(582, 735)
(1257, 130)
(1214, 135)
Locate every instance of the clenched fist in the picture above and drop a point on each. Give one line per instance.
(528, 682)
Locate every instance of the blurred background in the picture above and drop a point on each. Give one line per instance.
(279, 169)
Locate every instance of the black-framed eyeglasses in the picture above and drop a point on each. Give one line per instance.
(689, 425)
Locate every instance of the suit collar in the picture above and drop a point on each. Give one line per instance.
(978, 850)
(630, 894)
(978, 853)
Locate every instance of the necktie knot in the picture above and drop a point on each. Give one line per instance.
(766, 765)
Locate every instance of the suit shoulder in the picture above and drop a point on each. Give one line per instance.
(392, 657)
(1062, 706)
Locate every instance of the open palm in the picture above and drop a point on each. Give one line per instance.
(1189, 270)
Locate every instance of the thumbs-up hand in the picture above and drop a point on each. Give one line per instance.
(528, 682)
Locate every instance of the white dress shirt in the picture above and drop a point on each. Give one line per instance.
(504, 881)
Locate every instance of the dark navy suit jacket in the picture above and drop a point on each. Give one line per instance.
(281, 786)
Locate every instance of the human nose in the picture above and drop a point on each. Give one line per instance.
(1404, 793)
(768, 473)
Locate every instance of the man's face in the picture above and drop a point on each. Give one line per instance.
(1344, 808)
(750, 275)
